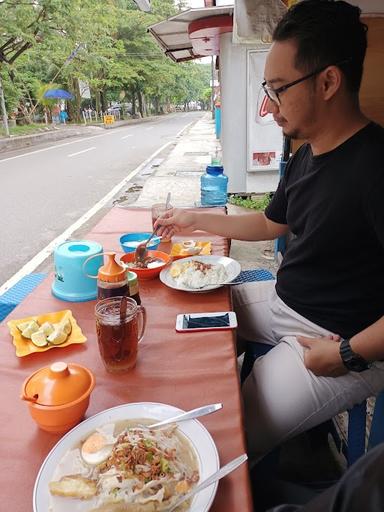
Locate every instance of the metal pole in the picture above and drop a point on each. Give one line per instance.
(213, 86)
(3, 110)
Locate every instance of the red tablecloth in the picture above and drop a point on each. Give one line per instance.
(186, 370)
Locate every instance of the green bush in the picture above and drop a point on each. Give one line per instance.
(256, 203)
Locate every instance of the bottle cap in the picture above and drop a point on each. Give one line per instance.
(112, 272)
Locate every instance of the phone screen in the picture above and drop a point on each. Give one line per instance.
(199, 322)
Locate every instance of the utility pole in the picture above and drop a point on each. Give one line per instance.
(3, 109)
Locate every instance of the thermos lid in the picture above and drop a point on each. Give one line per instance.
(111, 271)
(215, 169)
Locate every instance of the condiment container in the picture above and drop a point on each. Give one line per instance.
(58, 395)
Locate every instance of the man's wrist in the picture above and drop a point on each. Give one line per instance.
(352, 361)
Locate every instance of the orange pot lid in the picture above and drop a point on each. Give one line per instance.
(58, 384)
(112, 272)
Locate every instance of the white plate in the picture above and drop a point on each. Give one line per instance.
(232, 268)
(196, 433)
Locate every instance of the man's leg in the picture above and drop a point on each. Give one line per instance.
(282, 398)
(251, 302)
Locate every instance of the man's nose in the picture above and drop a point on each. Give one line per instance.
(271, 106)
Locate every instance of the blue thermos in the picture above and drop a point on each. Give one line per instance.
(213, 186)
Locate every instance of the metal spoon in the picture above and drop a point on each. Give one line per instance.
(167, 202)
(225, 470)
(218, 284)
(189, 415)
(141, 251)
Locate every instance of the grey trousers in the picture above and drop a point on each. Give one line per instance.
(281, 397)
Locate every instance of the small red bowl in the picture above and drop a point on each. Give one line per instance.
(147, 273)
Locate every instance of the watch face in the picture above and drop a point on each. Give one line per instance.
(357, 365)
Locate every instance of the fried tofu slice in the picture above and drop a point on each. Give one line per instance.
(74, 486)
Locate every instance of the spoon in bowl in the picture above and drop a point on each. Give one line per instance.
(141, 251)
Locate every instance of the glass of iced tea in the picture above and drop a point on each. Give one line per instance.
(118, 338)
(158, 210)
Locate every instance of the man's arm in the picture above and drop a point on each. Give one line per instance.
(251, 227)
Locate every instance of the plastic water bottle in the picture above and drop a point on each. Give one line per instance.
(213, 186)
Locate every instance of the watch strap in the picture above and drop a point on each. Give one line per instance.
(352, 361)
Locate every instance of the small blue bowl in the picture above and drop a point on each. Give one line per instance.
(130, 241)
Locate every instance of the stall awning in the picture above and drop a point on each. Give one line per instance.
(174, 37)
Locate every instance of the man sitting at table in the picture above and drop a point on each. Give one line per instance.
(325, 313)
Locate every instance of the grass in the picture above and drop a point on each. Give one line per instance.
(25, 129)
(253, 202)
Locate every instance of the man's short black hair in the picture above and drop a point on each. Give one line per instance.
(326, 32)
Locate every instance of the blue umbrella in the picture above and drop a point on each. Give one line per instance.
(59, 94)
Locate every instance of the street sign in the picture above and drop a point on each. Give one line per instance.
(109, 119)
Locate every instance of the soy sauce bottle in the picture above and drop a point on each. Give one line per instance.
(112, 279)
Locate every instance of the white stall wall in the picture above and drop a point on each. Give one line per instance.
(235, 112)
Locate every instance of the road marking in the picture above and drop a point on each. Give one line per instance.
(126, 136)
(150, 128)
(59, 146)
(82, 151)
(47, 251)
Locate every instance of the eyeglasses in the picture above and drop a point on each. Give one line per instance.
(273, 94)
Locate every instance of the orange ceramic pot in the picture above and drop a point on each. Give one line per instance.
(58, 395)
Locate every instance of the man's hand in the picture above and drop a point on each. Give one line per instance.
(321, 355)
(174, 221)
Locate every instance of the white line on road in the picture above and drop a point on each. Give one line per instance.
(61, 145)
(47, 251)
(150, 128)
(126, 136)
(82, 151)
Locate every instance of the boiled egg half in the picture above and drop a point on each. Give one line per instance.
(96, 449)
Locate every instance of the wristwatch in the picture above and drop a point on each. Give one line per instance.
(352, 361)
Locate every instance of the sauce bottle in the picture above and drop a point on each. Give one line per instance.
(112, 279)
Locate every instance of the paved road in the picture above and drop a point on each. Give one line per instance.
(47, 188)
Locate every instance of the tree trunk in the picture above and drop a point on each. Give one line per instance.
(145, 106)
(140, 99)
(156, 104)
(103, 99)
(97, 101)
(74, 106)
(133, 100)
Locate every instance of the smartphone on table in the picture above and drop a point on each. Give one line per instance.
(189, 322)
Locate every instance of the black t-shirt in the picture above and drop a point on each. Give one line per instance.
(333, 270)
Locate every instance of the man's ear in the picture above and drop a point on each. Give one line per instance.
(330, 81)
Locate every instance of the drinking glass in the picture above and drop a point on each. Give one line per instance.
(118, 338)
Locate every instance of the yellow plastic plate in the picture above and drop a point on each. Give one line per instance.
(24, 346)
(178, 251)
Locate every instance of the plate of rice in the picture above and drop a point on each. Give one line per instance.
(200, 273)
